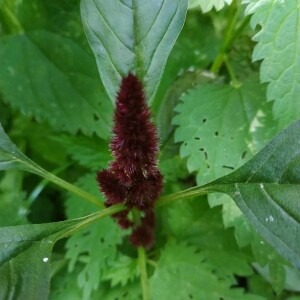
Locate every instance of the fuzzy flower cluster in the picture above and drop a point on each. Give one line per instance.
(133, 177)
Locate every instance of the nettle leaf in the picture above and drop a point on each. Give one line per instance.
(25, 253)
(57, 84)
(196, 223)
(278, 47)
(218, 125)
(97, 245)
(92, 153)
(182, 273)
(207, 5)
(139, 38)
(267, 191)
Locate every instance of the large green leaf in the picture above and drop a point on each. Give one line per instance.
(25, 253)
(278, 46)
(183, 273)
(57, 84)
(219, 125)
(267, 190)
(132, 35)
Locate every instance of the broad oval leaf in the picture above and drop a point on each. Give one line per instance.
(278, 47)
(132, 35)
(267, 190)
(25, 254)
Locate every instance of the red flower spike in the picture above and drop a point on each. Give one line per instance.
(133, 177)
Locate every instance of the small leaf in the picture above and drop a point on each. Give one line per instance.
(267, 190)
(132, 35)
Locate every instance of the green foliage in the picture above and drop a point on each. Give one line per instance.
(278, 46)
(58, 83)
(95, 245)
(25, 257)
(218, 125)
(266, 190)
(139, 41)
(236, 236)
(183, 273)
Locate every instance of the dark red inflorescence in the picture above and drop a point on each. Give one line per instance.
(133, 177)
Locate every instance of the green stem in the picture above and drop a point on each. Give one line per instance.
(73, 189)
(230, 35)
(231, 72)
(142, 259)
(189, 193)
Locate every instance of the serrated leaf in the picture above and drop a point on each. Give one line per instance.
(96, 246)
(267, 191)
(123, 271)
(25, 255)
(57, 84)
(137, 37)
(91, 153)
(207, 5)
(182, 273)
(218, 125)
(278, 47)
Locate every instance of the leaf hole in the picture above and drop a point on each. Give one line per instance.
(102, 240)
(196, 138)
(185, 144)
(201, 149)
(216, 133)
(96, 118)
(243, 154)
(228, 167)
(204, 120)
(205, 155)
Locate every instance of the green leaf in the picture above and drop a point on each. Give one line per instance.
(92, 153)
(218, 125)
(278, 46)
(96, 246)
(182, 273)
(122, 271)
(267, 191)
(207, 5)
(52, 84)
(132, 35)
(25, 254)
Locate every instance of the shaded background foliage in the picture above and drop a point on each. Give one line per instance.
(51, 97)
